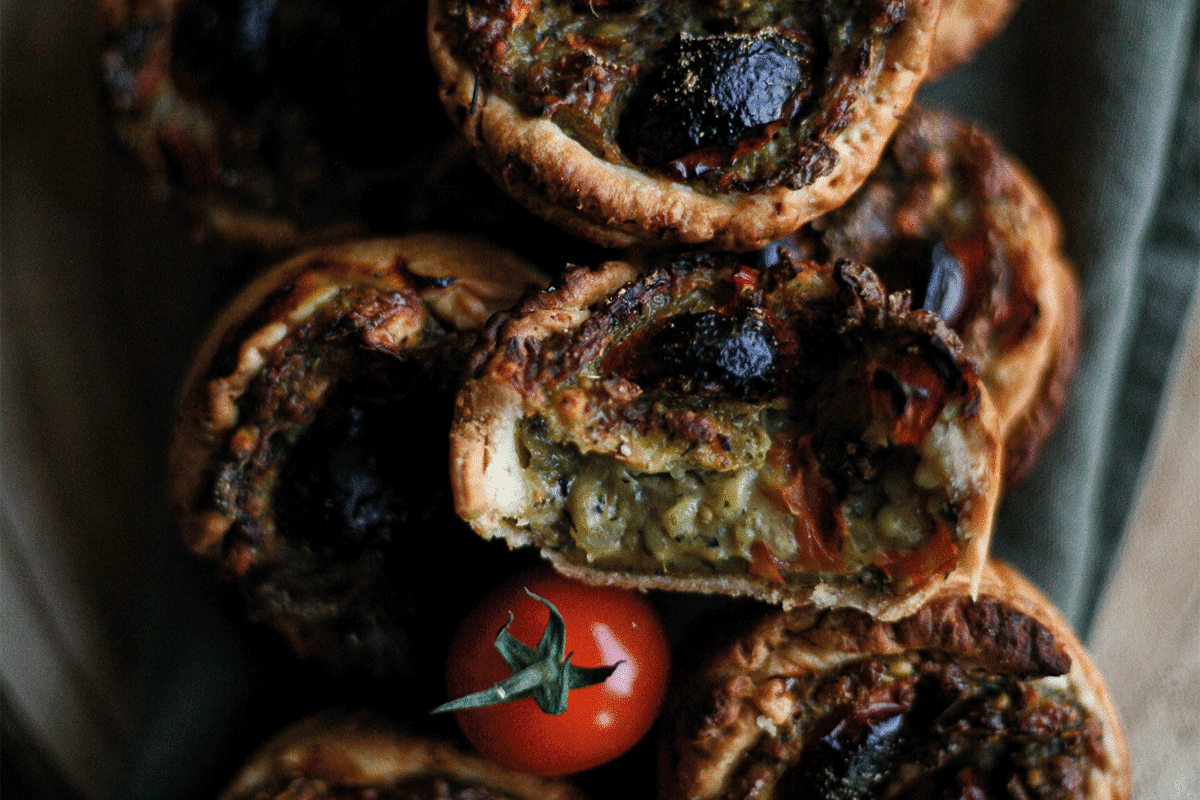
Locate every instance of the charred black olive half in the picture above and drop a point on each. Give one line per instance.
(848, 763)
(710, 353)
(717, 93)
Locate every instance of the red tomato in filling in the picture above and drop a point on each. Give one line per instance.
(603, 626)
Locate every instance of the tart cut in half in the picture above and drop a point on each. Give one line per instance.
(309, 452)
(968, 697)
(948, 216)
(682, 121)
(789, 433)
(365, 756)
(272, 124)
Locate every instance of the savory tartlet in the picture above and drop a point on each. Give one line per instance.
(983, 697)
(309, 452)
(273, 125)
(679, 122)
(952, 218)
(365, 756)
(791, 433)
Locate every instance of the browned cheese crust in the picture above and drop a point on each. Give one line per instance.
(964, 27)
(988, 697)
(292, 461)
(949, 216)
(546, 93)
(272, 125)
(363, 755)
(715, 427)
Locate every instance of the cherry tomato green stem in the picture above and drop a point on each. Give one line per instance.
(603, 627)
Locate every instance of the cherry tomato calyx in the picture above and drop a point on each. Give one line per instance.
(541, 672)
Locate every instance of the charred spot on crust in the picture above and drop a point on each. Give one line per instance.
(221, 48)
(989, 631)
(718, 92)
(733, 354)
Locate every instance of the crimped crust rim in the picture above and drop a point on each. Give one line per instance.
(963, 28)
(755, 652)
(364, 749)
(617, 206)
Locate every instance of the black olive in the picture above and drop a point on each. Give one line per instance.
(734, 353)
(946, 291)
(931, 272)
(221, 48)
(848, 763)
(716, 91)
(340, 500)
(366, 469)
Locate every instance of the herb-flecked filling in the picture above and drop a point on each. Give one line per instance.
(837, 477)
(729, 96)
(922, 725)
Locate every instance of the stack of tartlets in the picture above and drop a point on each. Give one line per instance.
(840, 325)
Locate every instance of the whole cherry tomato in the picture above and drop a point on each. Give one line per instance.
(604, 627)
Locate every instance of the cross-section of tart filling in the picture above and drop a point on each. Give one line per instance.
(965, 698)
(728, 96)
(306, 452)
(950, 217)
(787, 432)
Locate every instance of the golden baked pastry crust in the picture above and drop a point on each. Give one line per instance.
(733, 723)
(613, 202)
(304, 395)
(568, 383)
(963, 28)
(945, 192)
(338, 754)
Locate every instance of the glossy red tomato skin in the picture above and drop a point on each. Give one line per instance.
(604, 625)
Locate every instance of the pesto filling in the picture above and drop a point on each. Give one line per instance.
(596, 509)
(585, 67)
